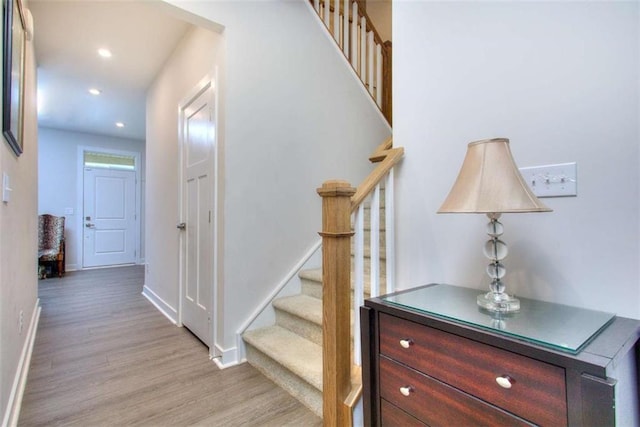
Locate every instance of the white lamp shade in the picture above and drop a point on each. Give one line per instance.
(490, 182)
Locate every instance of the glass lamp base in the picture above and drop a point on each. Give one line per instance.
(500, 302)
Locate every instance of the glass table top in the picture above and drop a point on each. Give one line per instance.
(560, 327)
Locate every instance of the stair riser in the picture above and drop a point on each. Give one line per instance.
(302, 327)
(311, 288)
(310, 396)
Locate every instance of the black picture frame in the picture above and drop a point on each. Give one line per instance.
(13, 74)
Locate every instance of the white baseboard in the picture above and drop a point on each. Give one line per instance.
(14, 404)
(164, 308)
(228, 358)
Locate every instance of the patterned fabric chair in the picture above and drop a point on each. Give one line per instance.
(51, 241)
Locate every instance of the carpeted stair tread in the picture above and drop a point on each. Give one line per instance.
(298, 355)
(303, 306)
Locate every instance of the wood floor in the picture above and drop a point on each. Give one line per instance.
(104, 356)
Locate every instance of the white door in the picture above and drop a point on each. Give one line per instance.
(109, 217)
(197, 138)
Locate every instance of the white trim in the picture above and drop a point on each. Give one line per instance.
(274, 293)
(215, 208)
(345, 60)
(80, 199)
(20, 380)
(162, 306)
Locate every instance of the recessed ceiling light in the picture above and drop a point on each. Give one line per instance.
(94, 91)
(105, 53)
(120, 124)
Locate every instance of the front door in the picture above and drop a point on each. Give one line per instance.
(197, 132)
(109, 217)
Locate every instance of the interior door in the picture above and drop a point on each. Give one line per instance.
(109, 217)
(198, 139)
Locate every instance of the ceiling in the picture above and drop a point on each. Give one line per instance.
(67, 34)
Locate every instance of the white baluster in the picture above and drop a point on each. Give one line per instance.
(374, 244)
(316, 6)
(379, 75)
(370, 47)
(358, 282)
(327, 11)
(345, 28)
(354, 39)
(363, 50)
(390, 232)
(336, 22)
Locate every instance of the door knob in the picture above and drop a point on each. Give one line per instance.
(182, 226)
(89, 225)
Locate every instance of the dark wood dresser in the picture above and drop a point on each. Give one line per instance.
(430, 357)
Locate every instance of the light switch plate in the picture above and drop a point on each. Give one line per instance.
(559, 180)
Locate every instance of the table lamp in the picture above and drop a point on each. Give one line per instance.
(489, 182)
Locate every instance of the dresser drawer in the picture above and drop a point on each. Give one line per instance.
(537, 392)
(391, 416)
(435, 403)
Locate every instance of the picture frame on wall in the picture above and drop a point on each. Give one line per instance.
(13, 74)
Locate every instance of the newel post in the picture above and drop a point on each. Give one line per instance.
(336, 279)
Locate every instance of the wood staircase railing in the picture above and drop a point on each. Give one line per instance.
(339, 201)
(370, 56)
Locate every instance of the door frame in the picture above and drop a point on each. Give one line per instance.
(210, 81)
(80, 200)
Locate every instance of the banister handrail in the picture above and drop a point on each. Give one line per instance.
(387, 158)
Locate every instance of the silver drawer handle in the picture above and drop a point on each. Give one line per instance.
(406, 343)
(406, 390)
(505, 381)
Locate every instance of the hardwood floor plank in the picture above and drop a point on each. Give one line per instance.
(104, 356)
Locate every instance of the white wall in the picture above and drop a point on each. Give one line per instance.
(58, 180)
(294, 116)
(18, 249)
(560, 79)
